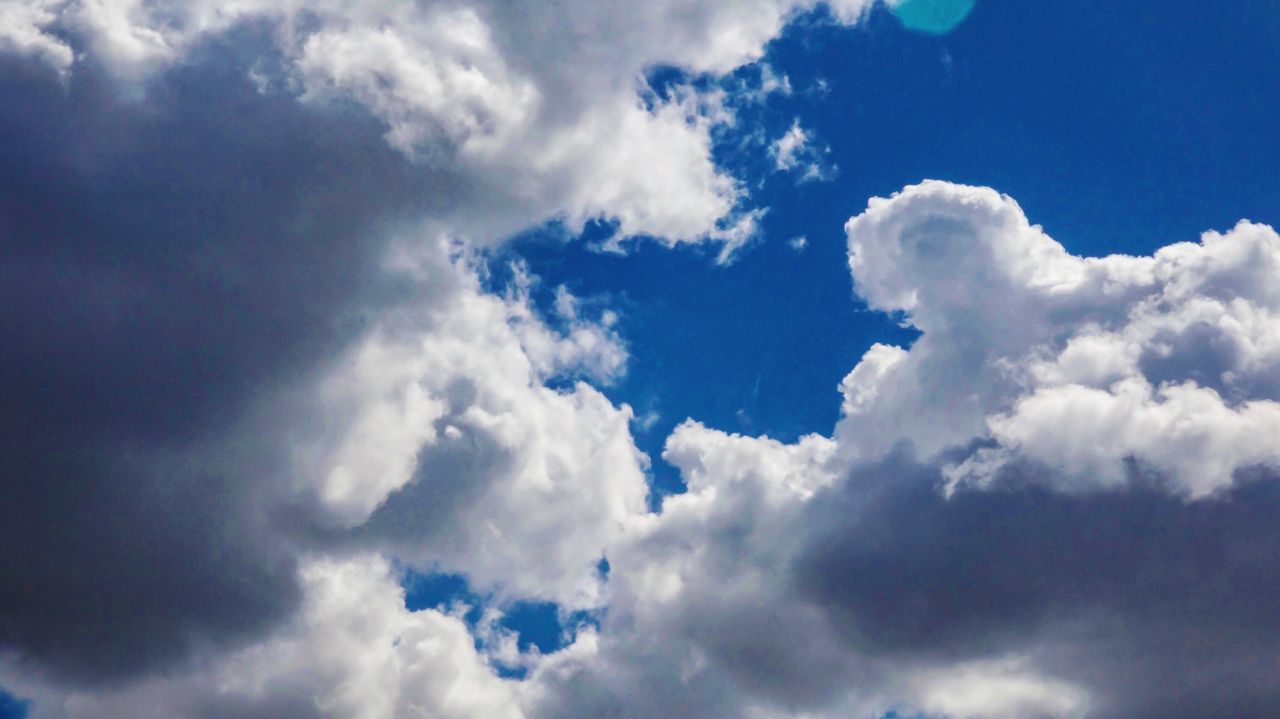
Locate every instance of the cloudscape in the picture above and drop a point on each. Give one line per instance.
(749, 359)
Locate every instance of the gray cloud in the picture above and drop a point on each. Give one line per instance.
(1160, 607)
(166, 262)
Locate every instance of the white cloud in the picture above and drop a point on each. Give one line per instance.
(697, 606)
(1001, 689)
(1083, 364)
(704, 606)
(796, 150)
(24, 29)
(536, 108)
(440, 412)
(1048, 357)
(435, 77)
(1024, 346)
(785, 148)
(771, 82)
(1087, 434)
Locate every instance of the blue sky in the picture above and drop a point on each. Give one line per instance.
(286, 436)
(11, 707)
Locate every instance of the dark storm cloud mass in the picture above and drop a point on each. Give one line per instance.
(167, 258)
(1159, 606)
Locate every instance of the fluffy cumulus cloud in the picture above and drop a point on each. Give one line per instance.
(536, 105)
(256, 366)
(973, 541)
(1093, 368)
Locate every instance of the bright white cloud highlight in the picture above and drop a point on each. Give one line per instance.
(1082, 364)
(24, 28)
(537, 108)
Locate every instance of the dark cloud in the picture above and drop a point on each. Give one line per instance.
(110, 568)
(449, 475)
(1201, 353)
(165, 255)
(168, 259)
(1161, 607)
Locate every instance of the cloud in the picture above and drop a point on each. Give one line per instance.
(538, 106)
(856, 575)
(163, 266)
(1107, 592)
(520, 486)
(1088, 366)
(833, 576)
(795, 150)
(251, 368)
(229, 334)
(24, 29)
(243, 322)
(699, 601)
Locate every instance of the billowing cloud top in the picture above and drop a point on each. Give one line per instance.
(534, 107)
(257, 370)
(1092, 367)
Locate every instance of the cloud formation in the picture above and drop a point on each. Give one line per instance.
(242, 322)
(254, 368)
(536, 107)
(1091, 367)
(880, 570)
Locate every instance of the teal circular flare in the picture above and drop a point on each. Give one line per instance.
(937, 17)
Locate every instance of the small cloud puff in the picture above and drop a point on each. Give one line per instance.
(796, 151)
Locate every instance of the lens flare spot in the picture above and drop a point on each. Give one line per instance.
(936, 17)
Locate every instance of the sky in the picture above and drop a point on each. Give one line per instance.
(864, 358)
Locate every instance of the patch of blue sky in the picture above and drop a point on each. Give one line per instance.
(543, 626)
(748, 347)
(440, 590)
(1120, 126)
(12, 707)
